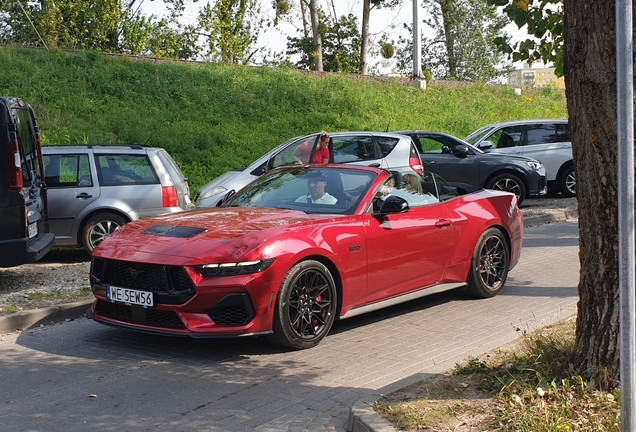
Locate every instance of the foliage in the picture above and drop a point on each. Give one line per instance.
(108, 25)
(529, 387)
(215, 117)
(544, 21)
(340, 46)
(231, 28)
(463, 47)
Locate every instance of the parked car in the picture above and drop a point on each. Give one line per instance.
(282, 259)
(95, 189)
(457, 161)
(24, 226)
(545, 140)
(377, 149)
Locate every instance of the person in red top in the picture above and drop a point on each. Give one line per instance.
(321, 156)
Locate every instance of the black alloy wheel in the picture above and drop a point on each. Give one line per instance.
(508, 183)
(306, 306)
(489, 267)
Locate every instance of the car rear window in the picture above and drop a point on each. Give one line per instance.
(124, 169)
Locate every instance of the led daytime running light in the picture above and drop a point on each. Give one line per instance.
(237, 268)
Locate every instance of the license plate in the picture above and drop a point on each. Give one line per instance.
(33, 230)
(129, 296)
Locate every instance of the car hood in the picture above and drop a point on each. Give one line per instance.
(203, 236)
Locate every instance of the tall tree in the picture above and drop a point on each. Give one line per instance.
(316, 33)
(367, 6)
(582, 43)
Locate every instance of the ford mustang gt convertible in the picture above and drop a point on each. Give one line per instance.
(302, 246)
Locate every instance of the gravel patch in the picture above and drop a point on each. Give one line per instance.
(63, 272)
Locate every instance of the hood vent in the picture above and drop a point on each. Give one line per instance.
(173, 231)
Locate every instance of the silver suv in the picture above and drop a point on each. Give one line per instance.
(377, 149)
(547, 141)
(95, 189)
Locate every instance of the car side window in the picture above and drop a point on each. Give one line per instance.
(67, 170)
(118, 170)
(387, 144)
(431, 145)
(353, 149)
(507, 137)
(547, 133)
(297, 152)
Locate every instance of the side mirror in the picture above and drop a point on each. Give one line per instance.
(461, 150)
(485, 145)
(393, 204)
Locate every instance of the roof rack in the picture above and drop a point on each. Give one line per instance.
(131, 146)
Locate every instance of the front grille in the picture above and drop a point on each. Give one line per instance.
(233, 309)
(139, 315)
(170, 284)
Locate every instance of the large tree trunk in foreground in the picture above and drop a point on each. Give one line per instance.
(590, 78)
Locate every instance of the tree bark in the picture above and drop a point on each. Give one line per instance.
(364, 45)
(315, 27)
(449, 19)
(590, 78)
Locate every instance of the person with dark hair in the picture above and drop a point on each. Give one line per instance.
(316, 185)
(321, 156)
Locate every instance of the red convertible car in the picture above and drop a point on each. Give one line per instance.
(300, 247)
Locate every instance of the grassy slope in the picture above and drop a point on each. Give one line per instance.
(212, 117)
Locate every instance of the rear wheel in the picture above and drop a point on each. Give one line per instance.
(567, 182)
(99, 227)
(509, 183)
(306, 306)
(489, 267)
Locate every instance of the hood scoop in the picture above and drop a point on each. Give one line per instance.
(173, 231)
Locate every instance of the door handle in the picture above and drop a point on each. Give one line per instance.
(429, 162)
(443, 223)
(374, 165)
(83, 195)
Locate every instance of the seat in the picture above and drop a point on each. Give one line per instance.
(505, 141)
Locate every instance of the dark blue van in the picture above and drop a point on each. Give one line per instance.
(24, 226)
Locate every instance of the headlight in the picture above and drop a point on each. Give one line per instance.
(534, 165)
(214, 191)
(237, 268)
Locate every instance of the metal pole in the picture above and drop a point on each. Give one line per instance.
(417, 41)
(625, 124)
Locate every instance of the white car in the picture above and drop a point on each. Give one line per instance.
(377, 149)
(547, 141)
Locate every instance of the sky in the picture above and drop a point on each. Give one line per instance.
(276, 38)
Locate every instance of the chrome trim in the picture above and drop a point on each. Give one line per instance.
(403, 298)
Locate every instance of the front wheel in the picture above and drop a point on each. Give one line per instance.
(98, 227)
(509, 183)
(567, 182)
(305, 307)
(489, 267)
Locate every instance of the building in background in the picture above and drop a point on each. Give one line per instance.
(532, 77)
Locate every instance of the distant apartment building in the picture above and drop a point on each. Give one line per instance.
(531, 77)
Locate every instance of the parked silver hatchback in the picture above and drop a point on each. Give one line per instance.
(95, 189)
(377, 149)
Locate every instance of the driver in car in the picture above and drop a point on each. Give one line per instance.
(317, 195)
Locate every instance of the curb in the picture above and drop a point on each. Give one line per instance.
(47, 315)
(545, 218)
(362, 418)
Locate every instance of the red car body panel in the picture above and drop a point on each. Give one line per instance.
(372, 258)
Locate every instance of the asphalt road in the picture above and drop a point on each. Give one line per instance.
(81, 375)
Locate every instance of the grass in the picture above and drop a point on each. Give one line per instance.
(35, 300)
(529, 387)
(213, 117)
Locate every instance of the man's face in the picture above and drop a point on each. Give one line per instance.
(316, 188)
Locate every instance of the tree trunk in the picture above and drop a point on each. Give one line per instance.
(364, 45)
(315, 27)
(449, 20)
(590, 78)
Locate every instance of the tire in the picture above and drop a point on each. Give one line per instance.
(305, 307)
(509, 183)
(489, 266)
(567, 182)
(98, 227)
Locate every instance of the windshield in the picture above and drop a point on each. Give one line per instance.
(478, 135)
(308, 189)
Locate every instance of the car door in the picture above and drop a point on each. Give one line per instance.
(550, 144)
(358, 149)
(439, 155)
(408, 250)
(72, 186)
